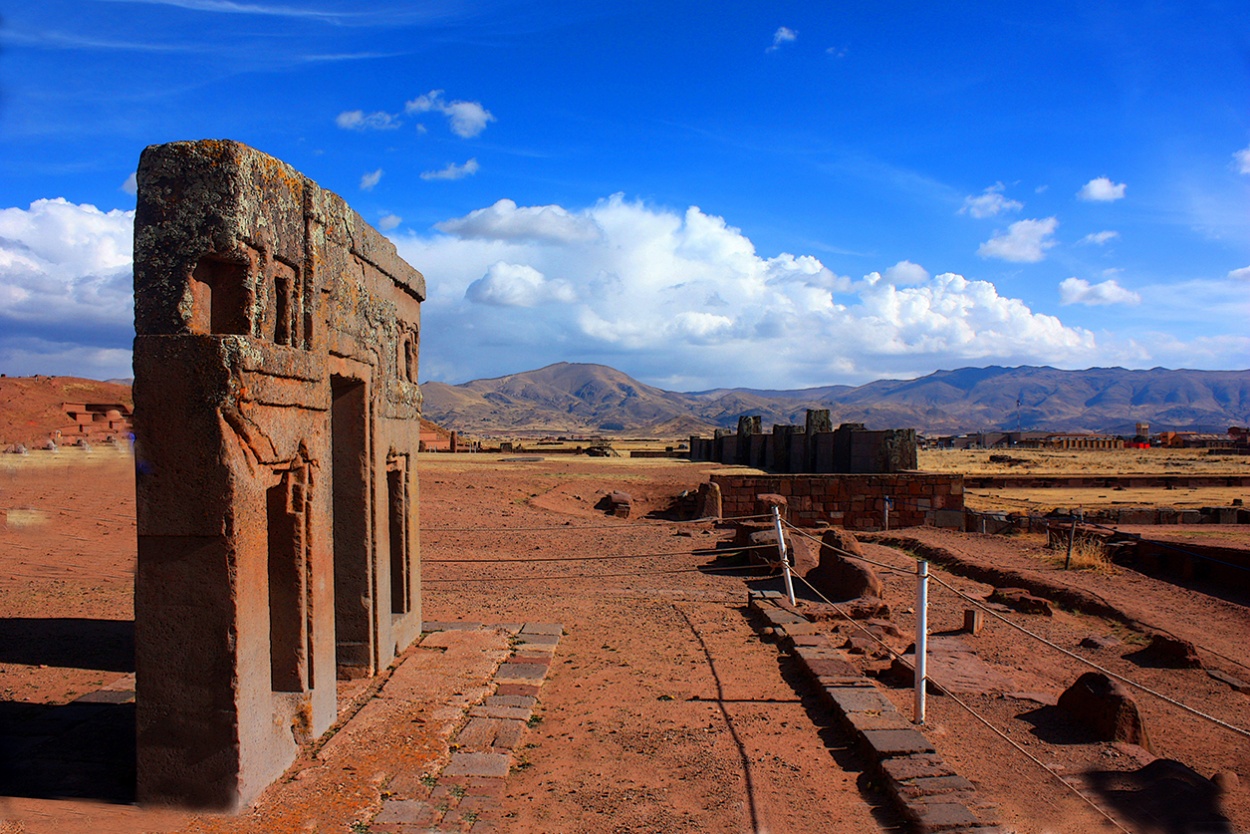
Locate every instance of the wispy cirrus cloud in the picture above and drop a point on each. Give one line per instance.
(360, 120)
(370, 180)
(262, 9)
(1099, 238)
(452, 171)
(1025, 241)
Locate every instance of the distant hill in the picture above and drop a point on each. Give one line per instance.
(583, 398)
(30, 406)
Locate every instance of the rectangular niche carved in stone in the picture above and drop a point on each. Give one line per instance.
(220, 299)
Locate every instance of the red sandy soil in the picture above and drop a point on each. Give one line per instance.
(663, 710)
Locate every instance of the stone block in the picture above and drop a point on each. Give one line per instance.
(277, 420)
(491, 765)
(939, 816)
(543, 628)
(920, 766)
(858, 699)
(891, 743)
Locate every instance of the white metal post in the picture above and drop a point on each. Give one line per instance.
(922, 635)
(781, 548)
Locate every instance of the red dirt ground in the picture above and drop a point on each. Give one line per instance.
(663, 710)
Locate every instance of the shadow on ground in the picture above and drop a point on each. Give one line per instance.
(68, 642)
(1165, 796)
(78, 750)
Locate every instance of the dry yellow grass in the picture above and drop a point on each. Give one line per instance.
(1110, 462)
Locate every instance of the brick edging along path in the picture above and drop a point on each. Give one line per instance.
(465, 796)
(922, 786)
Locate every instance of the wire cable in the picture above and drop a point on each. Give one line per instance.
(903, 660)
(589, 575)
(1022, 629)
(622, 525)
(600, 558)
(1143, 688)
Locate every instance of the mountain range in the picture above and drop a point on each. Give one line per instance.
(572, 398)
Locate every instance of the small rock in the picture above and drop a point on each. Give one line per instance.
(1173, 652)
(1226, 780)
(1105, 707)
(1098, 643)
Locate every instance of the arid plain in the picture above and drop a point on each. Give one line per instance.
(664, 709)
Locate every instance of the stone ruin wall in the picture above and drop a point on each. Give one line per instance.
(813, 448)
(856, 502)
(277, 421)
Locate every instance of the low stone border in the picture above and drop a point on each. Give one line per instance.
(466, 795)
(922, 786)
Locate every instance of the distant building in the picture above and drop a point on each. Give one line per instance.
(95, 421)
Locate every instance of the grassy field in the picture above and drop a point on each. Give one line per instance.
(1111, 462)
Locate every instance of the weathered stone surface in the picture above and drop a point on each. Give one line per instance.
(551, 629)
(1173, 652)
(857, 699)
(1018, 599)
(939, 816)
(1234, 682)
(276, 421)
(890, 743)
(1106, 708)
(708, 500)
(492, 765)
(906, 768)
(839, 577)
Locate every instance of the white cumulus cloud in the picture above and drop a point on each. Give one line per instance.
(467, 118)
(1242, 160)
(370, 180)
(452, 171)
(1106, 293)
(516, 285)
(990, 202)
(1025, 241)
(131, 185)
(906, 272)
(782, 36)
(360, 120)
(389, 221)
(1242, 274)
(685, 297)
(506, 221)
(1099, 238)
(1102, 190)
(66, 287)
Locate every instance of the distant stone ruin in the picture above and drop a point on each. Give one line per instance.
(814, 448)
(277, 420)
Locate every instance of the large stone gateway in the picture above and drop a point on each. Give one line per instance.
(277, 421)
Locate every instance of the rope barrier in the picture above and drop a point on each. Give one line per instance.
(1022, 629)
(590, 575)
(599, 558)
(1191, 710)
(620, 526)
(901, 659)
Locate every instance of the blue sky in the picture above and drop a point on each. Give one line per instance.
(701, 194)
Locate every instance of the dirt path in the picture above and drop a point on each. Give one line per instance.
(663, 711)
